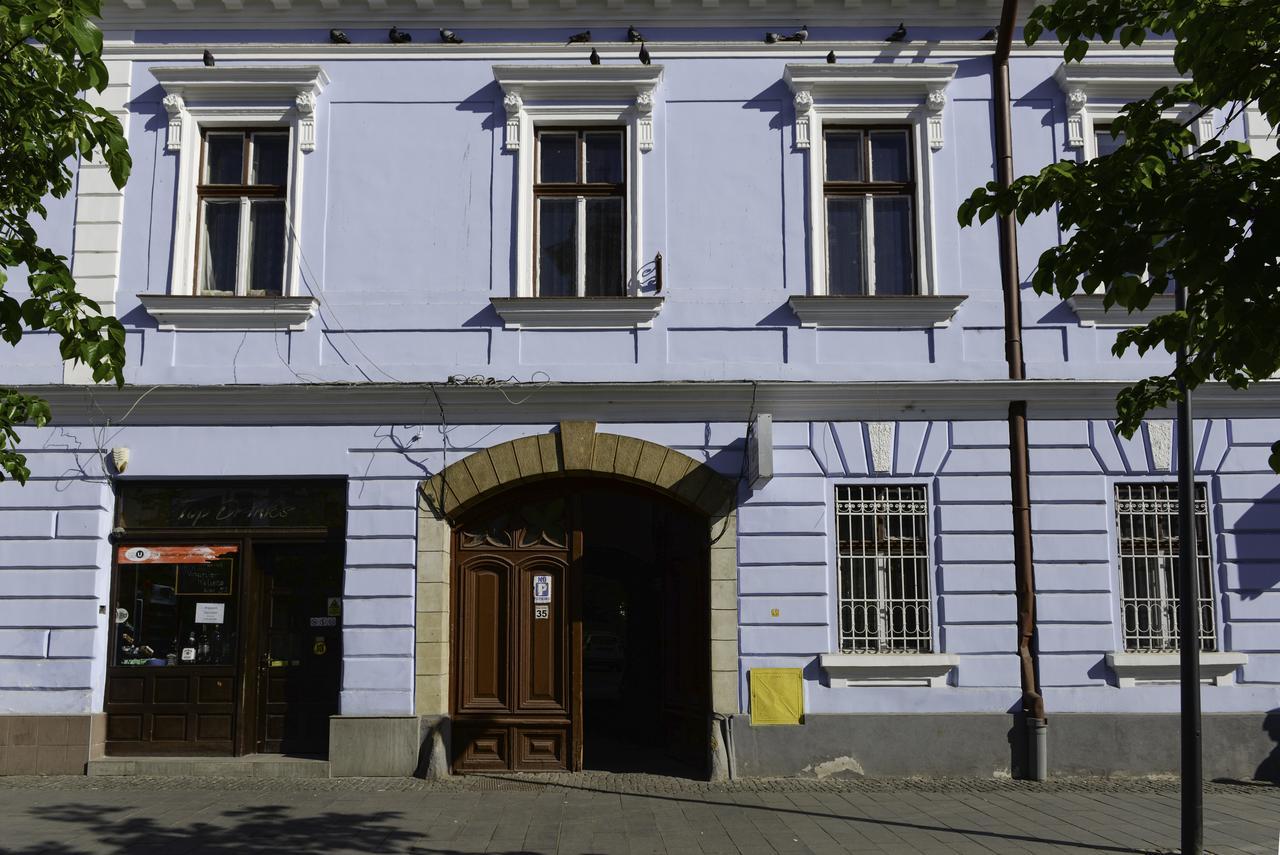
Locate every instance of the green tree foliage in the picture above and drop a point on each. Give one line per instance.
(50, 55)
(1164, 207)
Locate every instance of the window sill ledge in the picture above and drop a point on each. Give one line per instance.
(871, 311)
(1090, 311)
(577, 312)
(1134, 668)
(182, 312)
(889, 669)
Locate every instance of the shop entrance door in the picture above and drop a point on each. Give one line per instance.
(299, 641)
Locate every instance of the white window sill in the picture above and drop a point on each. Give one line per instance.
(1090, 311)
(577, 312)
(1134, 668)
(888, 669)
(182, 312)
(872, 311)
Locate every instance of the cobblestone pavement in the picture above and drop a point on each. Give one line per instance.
(603, 813)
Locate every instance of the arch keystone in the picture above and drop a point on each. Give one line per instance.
(577, 442)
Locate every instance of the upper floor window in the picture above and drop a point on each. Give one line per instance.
(1104, 142)
(580, 194)
(870, 197)
(883, 569)
(1147, 548)
(244, 177)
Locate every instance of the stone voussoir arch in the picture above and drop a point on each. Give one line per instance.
(575, 450)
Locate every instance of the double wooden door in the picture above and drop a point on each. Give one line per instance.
(518, 634)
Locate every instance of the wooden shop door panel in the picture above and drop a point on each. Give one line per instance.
(300, 660)
(484, 656)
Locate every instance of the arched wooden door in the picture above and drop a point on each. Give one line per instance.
(521, 627)
(513, 640)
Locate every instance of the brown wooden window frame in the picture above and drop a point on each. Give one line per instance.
(581, 190)
(868, 189)
(246, 193)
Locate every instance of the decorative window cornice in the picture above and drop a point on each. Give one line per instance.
(577, 312)
(184, 312)
(917, 85)
(1092, 311)
(1100, 89)
(266, 91)
(630, 87)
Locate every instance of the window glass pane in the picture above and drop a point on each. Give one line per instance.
(175, 605)
(844, 156)
(558, 158)
(224, 158)
(604, 157)
(895, 265)
(1107, 144)
(266, 245)
(605, 242)
(270, 159)
(221, 236)
(844, 246)
(557, 247)
(890, 156)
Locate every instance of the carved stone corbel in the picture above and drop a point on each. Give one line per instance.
(176, 108)
(804, 117)
(935, 102)
(514, 105)
(1076, 100)
(306, 105)
(644, 119)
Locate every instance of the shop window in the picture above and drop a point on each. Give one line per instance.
(176, 605)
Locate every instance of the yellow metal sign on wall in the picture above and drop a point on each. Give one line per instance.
(777, 696)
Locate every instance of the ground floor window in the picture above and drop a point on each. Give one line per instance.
(1147, 548)
(883, 568)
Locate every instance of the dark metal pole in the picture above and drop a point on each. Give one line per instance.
(1189, 623)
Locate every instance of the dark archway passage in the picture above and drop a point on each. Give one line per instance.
(582, 636)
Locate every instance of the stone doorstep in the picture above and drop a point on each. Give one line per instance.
(249, 766)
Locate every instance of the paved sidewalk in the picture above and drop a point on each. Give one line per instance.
(599, 813)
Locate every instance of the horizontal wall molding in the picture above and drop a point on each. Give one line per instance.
(376, 404)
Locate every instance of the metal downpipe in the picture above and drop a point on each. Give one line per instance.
(1033, 712)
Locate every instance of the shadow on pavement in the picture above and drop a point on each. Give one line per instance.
(261, 828)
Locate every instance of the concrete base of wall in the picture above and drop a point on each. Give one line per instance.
(252, 766)
(1239, 746)
(972, 745)
(373, 746)
(50, 744)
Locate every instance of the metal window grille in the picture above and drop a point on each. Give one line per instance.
(1147, 527)
(883, 555)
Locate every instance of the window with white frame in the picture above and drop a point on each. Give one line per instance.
(882, 538)
(1147, 551)
(580, 194)
(870, 200)
(870, 132)
(244, 177)
(238, 134)
(579, 135)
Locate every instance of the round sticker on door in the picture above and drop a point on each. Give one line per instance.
(137, 553)
(319, 648)
(122, 615)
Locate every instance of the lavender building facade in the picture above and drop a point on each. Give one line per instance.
(753, 460)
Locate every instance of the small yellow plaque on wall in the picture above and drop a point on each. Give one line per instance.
(777, 696)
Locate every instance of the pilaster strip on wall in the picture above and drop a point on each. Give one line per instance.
(95, 260)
